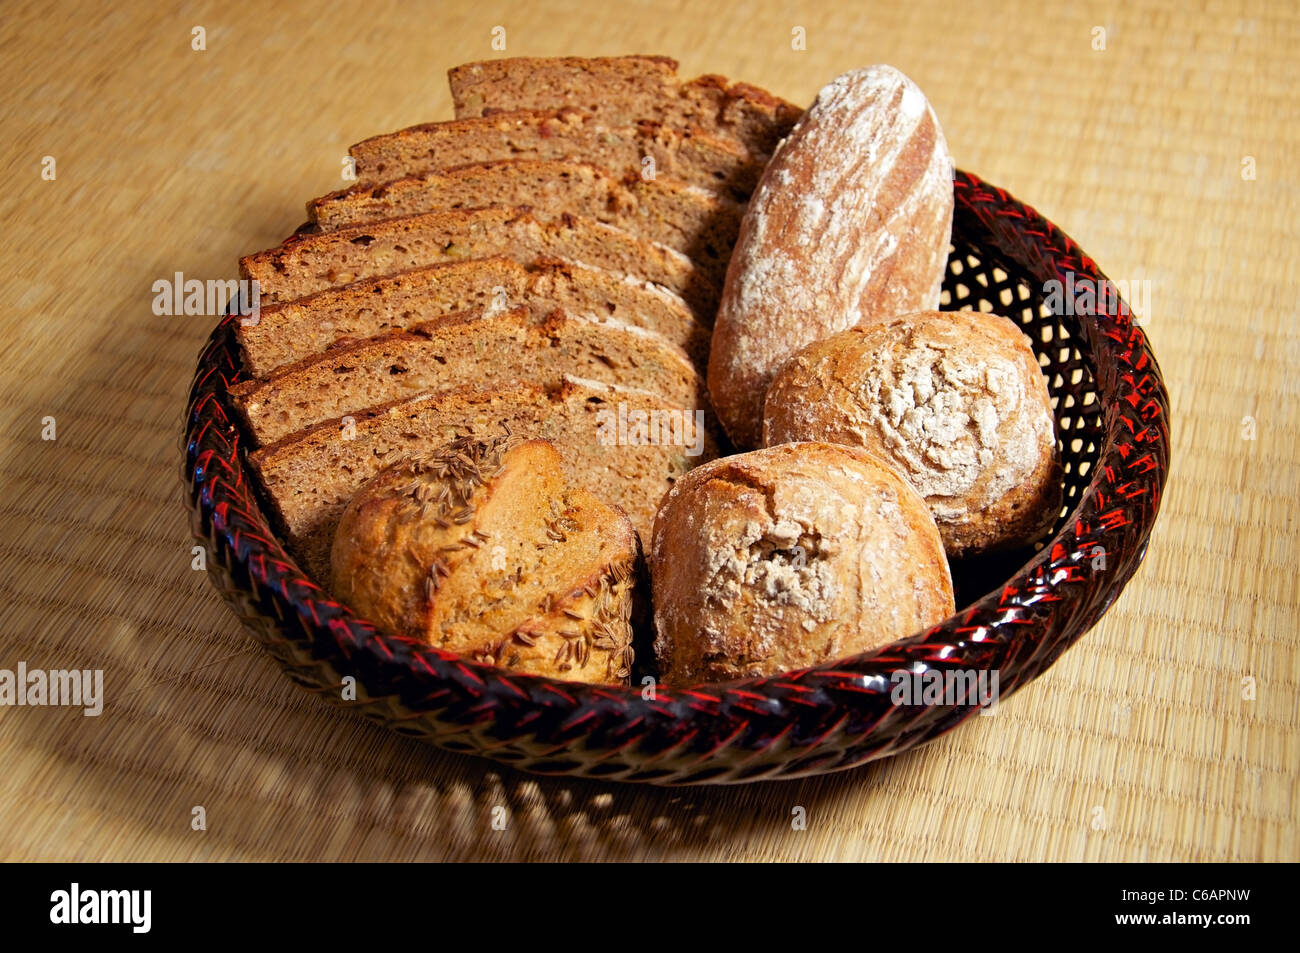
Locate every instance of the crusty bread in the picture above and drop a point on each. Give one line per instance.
(643, 147)
(295, 330)
(955, 400)
(305, 264)
(628, 87)
(851, 222)
(788, 557)
(309, 477)
(459, 350)
(486, 552)
(699, 225)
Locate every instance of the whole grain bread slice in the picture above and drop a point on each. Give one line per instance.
(286, 333)
(644, 148)
(604, 433)
(305, 264)
(290, 332)
(698, 224)
(628, 88)
(460, 350)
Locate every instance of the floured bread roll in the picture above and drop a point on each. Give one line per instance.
(955, 400)
(486, 552)
(849, 223)
(787, 557)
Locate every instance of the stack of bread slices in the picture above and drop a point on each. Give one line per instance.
(548, 262)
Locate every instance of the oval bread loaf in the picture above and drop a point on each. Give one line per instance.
(955, 400)
(787, 557)
(850, 222)
(488, 553)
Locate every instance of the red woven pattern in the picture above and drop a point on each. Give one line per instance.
(1111, 409)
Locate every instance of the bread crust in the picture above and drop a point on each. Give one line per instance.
(488, 553)
(850, 222)
(954, 400)
(787, 557)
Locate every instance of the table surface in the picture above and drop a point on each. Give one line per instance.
(1168, 733)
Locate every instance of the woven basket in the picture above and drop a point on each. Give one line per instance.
(1112, 423)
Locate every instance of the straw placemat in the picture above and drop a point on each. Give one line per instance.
(1168, 733)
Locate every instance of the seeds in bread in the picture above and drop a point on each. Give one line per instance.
(305, 264)
(699, 225)
(486, 552)
(643, 148)
(851, 222)
(788, 557)
(628, 87)
(460, 350)
(295, 330)
(955, 400)
(626, 446)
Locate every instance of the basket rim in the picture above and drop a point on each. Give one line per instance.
(432, 681)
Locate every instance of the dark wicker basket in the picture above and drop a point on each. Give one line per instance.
(1112, 417)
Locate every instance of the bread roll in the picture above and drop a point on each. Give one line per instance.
(849, 223)
(955, 400)
(486, 552)
(787, 557)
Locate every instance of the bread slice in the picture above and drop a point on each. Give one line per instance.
(310, 476)
(694, 222)
(644, 148)
(305, 264)
(289, 332)
(629, 88)
(460, 350)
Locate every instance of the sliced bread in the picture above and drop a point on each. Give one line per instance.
(696, 223)
(626, 446)
(461, 350)
(645, 148)
(289, 332)
(306, 264)
(629, 88)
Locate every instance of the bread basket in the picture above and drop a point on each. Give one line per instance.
(1016, 617)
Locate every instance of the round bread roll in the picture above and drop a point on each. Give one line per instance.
(955, 400)
(485, 552)
(787, 557)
